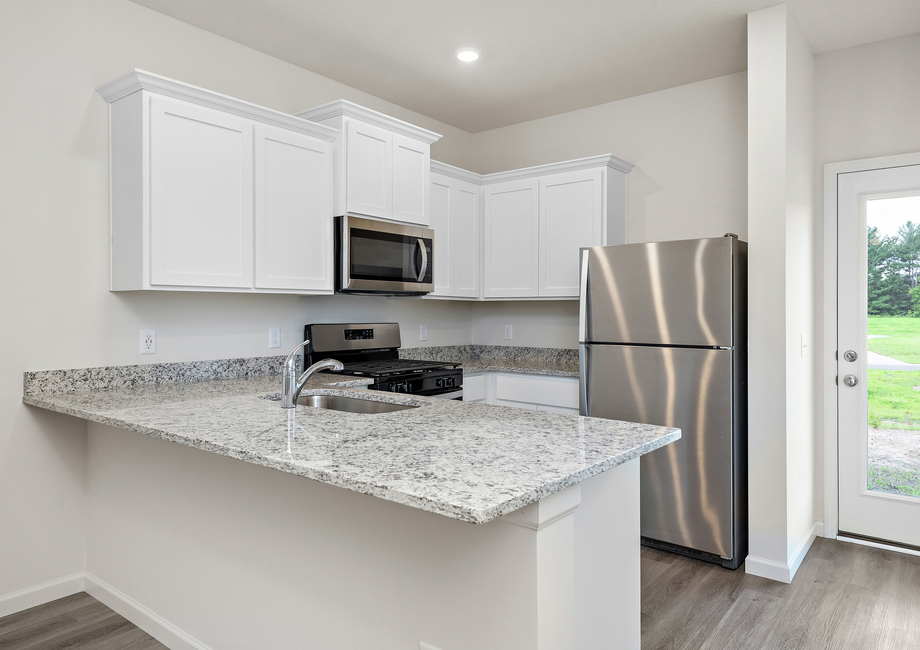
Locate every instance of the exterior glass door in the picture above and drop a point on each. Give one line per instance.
(878, 336)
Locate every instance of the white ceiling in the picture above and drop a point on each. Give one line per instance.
(539, 57)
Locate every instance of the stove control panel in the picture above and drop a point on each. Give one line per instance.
(359, 335)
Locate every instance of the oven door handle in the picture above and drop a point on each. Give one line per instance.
(421, 245)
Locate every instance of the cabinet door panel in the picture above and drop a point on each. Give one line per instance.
(465, 241)
(293, 216)
(411, 180)
(571, 216)
(441, 217)
(511, 239)
(369, 182)
(201, 196)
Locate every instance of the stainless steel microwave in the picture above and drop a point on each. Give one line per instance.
(382, 258)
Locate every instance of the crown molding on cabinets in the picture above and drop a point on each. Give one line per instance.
(592, 162)
(455, 172)
(345, 108)
(141, 80)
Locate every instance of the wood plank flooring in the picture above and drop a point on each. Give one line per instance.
(844, 597)
(78, 622)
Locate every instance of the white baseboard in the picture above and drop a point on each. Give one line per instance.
(160, 629)
(779, 571)
(758, 566)
(803, 547)
(41, 594)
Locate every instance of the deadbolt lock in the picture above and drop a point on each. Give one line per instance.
(850, 355)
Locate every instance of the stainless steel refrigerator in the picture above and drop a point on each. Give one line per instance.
(663, 340)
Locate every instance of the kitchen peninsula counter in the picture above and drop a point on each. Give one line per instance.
(471, 462)
(204, 551)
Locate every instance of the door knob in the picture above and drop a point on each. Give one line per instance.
(850, 380)
(850, 355)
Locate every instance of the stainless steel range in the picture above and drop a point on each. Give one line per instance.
(372, 350)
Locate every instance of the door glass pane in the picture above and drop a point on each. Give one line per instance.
(893, 357)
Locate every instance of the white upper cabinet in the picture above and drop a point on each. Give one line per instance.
(215, 194)
(369, 170)
(293, 189)
(455, 219)
(511, 229)
(537, 219)
(382, 165)
(200, 196)
(571, 216)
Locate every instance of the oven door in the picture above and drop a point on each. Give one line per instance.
(377, 257)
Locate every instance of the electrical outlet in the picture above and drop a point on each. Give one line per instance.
(423, 333)
(274, 337)
(148, 341)
(507, 332)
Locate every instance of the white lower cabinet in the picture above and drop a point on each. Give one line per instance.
(535, 392)
(210, 193)
(455, 218)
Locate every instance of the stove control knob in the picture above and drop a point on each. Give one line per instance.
(439, 382)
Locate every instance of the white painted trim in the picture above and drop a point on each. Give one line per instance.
(456, 172)
(345, 108)
(141, 80)
(547, 510)
(157, 627)
(592, 162)
(829, 367)
(796, 560)
(886, 547)
(779, 571)
(769, 569)
(40, 594)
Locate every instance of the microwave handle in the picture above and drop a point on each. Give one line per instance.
(421, 273)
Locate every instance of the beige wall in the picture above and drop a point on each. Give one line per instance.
(54, 202)
(689, 146)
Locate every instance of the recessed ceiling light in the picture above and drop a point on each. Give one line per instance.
(467, 54)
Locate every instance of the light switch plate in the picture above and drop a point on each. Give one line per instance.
(423, 333)
(507, 332)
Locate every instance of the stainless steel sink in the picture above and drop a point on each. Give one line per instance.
(351, 404)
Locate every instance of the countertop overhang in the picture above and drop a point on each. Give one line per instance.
(472, 462)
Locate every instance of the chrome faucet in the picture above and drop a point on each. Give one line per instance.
(291, 384)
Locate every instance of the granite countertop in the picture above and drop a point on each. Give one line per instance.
(472, 462)
(554, 362)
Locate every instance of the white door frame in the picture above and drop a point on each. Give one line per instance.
(829, 367)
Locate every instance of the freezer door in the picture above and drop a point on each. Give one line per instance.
(666, 293)
(686, 486)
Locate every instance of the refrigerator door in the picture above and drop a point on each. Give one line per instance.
(666, 293)
(686, 487)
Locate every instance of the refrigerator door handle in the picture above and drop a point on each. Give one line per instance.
(583, 298)
(583, 384)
